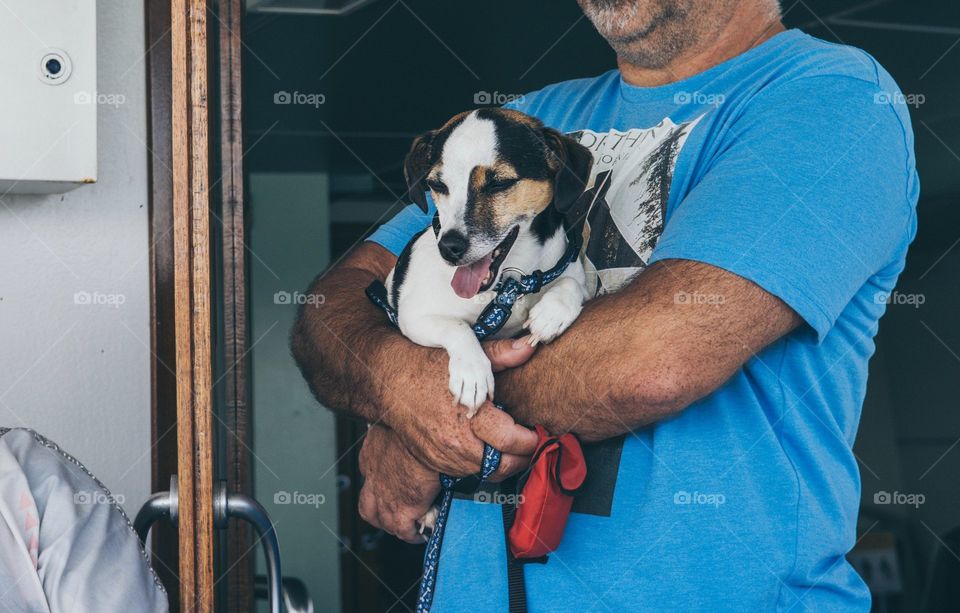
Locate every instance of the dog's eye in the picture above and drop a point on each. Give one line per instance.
(500, 185)
(436, 186)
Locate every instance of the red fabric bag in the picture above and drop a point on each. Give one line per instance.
(558, 470)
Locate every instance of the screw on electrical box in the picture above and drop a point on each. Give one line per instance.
(55, 66)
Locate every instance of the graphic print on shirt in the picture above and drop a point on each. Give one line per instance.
(629, 190)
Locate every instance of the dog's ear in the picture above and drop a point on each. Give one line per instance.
(417, 165)
(573, 169)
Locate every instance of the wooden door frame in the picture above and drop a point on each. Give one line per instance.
(237, 428)
(180, 74)
(164, 546)
(192, 301)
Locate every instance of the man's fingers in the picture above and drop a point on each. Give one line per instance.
(497, 428)
(510, 465)
(368, 508)
(458, 454)
(508, 353)
(400, 524)
(403, 527)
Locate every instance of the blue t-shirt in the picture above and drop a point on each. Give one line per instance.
(791, 166)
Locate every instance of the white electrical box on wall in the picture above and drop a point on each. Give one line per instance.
(48, 95)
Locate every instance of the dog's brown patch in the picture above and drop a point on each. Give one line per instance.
(501, 210)
(527, 198)
(521, 118)
(479, 176)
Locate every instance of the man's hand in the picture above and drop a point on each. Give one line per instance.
(419, 408)
(498, 429)
(397, 489)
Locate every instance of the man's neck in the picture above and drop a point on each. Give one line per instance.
(741, 33)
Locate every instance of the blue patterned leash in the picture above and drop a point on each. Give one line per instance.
(490, 321)
(509, 290)
(431, 559)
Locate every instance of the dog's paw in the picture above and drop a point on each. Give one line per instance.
(471, 381)
(550, 317)
(427, 523)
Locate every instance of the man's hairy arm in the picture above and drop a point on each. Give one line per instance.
(336, 341)
(671, 337)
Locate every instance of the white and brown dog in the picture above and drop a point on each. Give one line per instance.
(503, 185)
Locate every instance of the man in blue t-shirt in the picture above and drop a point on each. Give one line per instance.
(757, 195)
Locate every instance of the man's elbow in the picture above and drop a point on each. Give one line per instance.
(659, 392)
(308, 358)
(301, 347)
(674, 382)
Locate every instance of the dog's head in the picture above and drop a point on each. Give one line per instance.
(491, 172)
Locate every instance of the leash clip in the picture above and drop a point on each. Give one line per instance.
(516, 272)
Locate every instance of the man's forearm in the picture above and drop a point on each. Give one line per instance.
(588, 380)
(674, 335)
(337, 341)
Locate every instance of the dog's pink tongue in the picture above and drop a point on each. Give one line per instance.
(468, 279)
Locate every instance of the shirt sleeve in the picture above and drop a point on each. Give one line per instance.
(809, 196)
(396, 233)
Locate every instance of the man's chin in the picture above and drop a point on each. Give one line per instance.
(613, 19)
(643, 38)
(627, 31)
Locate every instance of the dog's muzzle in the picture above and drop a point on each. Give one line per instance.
(453, 246)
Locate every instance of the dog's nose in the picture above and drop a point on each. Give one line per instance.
(453, 245)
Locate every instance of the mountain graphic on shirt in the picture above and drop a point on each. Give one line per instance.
(629, 190)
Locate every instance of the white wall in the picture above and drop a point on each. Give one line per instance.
(80, 374)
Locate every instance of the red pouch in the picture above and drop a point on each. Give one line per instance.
(558, 470)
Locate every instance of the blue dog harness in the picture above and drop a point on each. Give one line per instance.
(490, 321)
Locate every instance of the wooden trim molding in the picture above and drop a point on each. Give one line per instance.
(163, 377)
(192, 300)
(238, 539)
